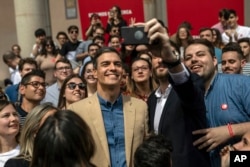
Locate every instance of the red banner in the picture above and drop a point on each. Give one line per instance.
(130, 8)
(200, 13)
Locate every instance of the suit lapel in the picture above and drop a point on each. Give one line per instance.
(129, 121)
(96, 116)
(166, 110)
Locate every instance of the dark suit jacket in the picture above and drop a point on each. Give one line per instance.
(184, 112)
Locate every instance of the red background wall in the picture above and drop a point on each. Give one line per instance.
(200, 13)
(134, 8)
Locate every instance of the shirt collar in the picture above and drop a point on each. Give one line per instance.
(105, 102)
(158, 93)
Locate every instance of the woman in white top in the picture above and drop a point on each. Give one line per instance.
(9, 131)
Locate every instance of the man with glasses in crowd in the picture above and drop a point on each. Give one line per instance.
(32, 89)
(63, 69)
(26, 65)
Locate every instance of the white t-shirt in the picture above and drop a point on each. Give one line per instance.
(7, 155)
(15, 76)
(242, 32)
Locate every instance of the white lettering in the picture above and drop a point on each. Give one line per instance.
(240, 158)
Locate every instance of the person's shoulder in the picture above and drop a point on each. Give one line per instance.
(11, 88)
(17, 162)
(134, 100)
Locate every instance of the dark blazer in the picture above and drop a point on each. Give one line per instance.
(184, 112)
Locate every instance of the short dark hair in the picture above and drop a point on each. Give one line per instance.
(154, 152)
(98, 37)
(61, 33)
(93, 44)
(9, 55)
(246, 39)
(40, 32)
(104, 50)
(204, 42)
(232, 11)
(27, 77)
(205, 29)
(63, 134)
(63, 60)
(235, 47)
(27, 60)
(224, 13)
(72, 27)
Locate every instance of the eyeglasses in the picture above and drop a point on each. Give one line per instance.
(142, 68)
(66, 68)
(76, 32)
(73, 85)
(37, 84)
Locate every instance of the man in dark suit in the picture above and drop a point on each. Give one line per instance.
(175, 110)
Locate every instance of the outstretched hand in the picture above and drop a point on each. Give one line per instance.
(212, 137)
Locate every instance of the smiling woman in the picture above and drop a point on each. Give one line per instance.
(73, 89)
(9, 130)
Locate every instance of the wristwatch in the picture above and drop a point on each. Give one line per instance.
(175, 63)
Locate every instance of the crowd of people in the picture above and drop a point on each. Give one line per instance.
(177, 102)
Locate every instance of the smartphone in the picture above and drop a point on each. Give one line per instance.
(134, 35)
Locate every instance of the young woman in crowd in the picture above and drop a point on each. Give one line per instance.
(115, 18)
(46, 60)
(217, 39)
(115, 42)
(183, 37)
(9, 131)
(63, 140)
(88, 77)
(34, 120)
(142, 83)
(128, 53)
(73, 89)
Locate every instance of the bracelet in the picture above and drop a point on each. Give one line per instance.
(230, 129)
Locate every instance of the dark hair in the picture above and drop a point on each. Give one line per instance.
(40, 32)
(27, 60)
(104, 50)
(204, 42)
(233, 46)
(232, 11)
(119, 12)
(9, 55)
(27, 77)
(93, 44)
(62, 99)
(154, 152)
(63, 60)
(61, 33)
(94, 15)
(63, 140)
(7, 82)
(205, 29)
(72, 27)
(218, 42)
(246, 39)
(224, 13)
(98, 37)
(44, 50)
(114, 36)
(84, 68)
